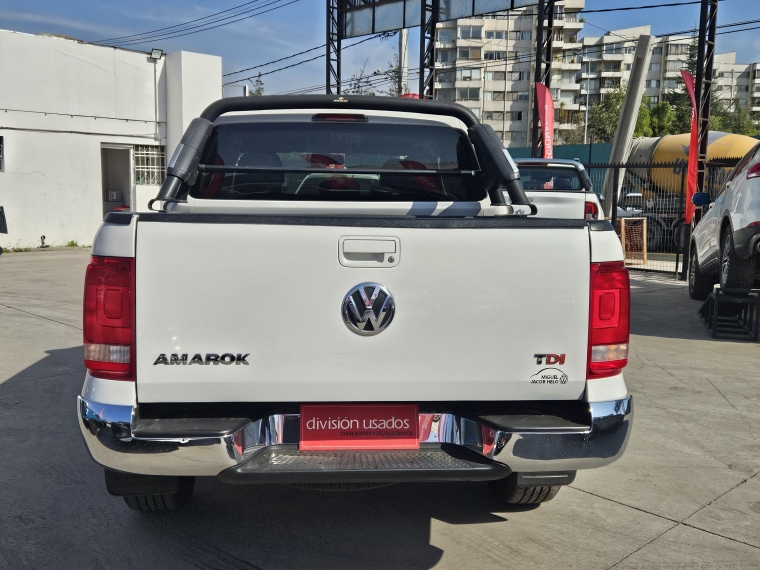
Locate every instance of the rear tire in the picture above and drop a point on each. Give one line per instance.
(700, 285)
(508, 491)
(735, 273)
(150, 493)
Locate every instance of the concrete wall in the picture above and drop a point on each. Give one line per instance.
(61, 102)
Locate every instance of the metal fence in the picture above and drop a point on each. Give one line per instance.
(649, 211)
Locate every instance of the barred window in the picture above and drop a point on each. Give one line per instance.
(150, 165)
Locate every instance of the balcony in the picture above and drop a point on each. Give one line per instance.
(612, 57)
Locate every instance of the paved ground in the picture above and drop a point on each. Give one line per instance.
(685, 495)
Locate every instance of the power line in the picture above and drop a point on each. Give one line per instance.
(166, 37)
(384, 34)
(626, 8)
(273, 61)
(178, 25)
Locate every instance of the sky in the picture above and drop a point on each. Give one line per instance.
(300, 25)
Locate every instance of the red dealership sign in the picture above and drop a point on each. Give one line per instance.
(691, 173)
(359, 426)
(546, 116)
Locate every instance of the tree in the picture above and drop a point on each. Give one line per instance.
(392, 73)
(604, 115)
(574, 135)
(258, 87)
(359, 84)
(662, 116)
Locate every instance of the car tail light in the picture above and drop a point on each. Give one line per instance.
(109, 317)
(609, 319)
(754, 172)
(591, 211)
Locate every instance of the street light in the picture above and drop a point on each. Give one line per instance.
(156, 53)
(588, 73)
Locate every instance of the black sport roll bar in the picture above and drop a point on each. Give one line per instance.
(500, 171)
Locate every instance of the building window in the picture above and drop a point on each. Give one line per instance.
(475, 111)
(657, 50)
(519, 75)
(654, 100)
(718, 88)
(468, 53)
(558, 36)
(678, 49)
(468, 94)
(444, 55)
(516, 135)
(611, 66)
(444, 76)
(444, 95)
(675, 65)
(521, 96)
(495, 75)
(521, 35)
(653, 84)
(494, 95)
(744, 75)
(2, 156)
(628, 67)
(518, 56)
(654, 67)
(526, 14)
(445, 35)
(467, 74)
(515, 115)
(718, 74)
(496, 35)
(742, 87)
(474, 32)
(742, 102)
(493, 116)
(150, 165)
(613, 49)
(495, 55)
(629, 50)
(568, 77)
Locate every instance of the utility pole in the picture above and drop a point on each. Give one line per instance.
(403, 61)
(621, 146)
(543, 72)
(708, 17)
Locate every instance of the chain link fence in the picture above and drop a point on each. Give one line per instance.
(649, 212)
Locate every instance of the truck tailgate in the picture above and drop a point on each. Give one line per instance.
(474, 305)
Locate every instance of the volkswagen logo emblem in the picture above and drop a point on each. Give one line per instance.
(368, 309)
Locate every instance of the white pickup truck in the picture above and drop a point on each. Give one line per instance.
(335, 294)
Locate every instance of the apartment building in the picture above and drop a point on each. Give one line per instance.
(607, 62)
(488, 63)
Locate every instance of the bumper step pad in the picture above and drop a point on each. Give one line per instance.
(288, 464)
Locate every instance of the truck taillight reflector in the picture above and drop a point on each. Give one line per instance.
(109, 316)
(591, 211)
(609, 319)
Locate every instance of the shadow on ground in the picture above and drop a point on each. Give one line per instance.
(52, 479)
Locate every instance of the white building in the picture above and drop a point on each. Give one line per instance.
(85, 128)
(488, 63)
(610, 58)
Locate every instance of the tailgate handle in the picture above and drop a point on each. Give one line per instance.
(369, 246)
(370, 251)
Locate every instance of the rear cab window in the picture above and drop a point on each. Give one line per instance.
(316, 160)
(549, 178)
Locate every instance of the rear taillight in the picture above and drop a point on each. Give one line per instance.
(109, 318)
(591, 211)
(754, 172)
(609, 319)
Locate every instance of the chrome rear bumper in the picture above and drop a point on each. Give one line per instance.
(107, 430)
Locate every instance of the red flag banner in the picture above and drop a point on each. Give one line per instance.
(691, 173)
(546, 116)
